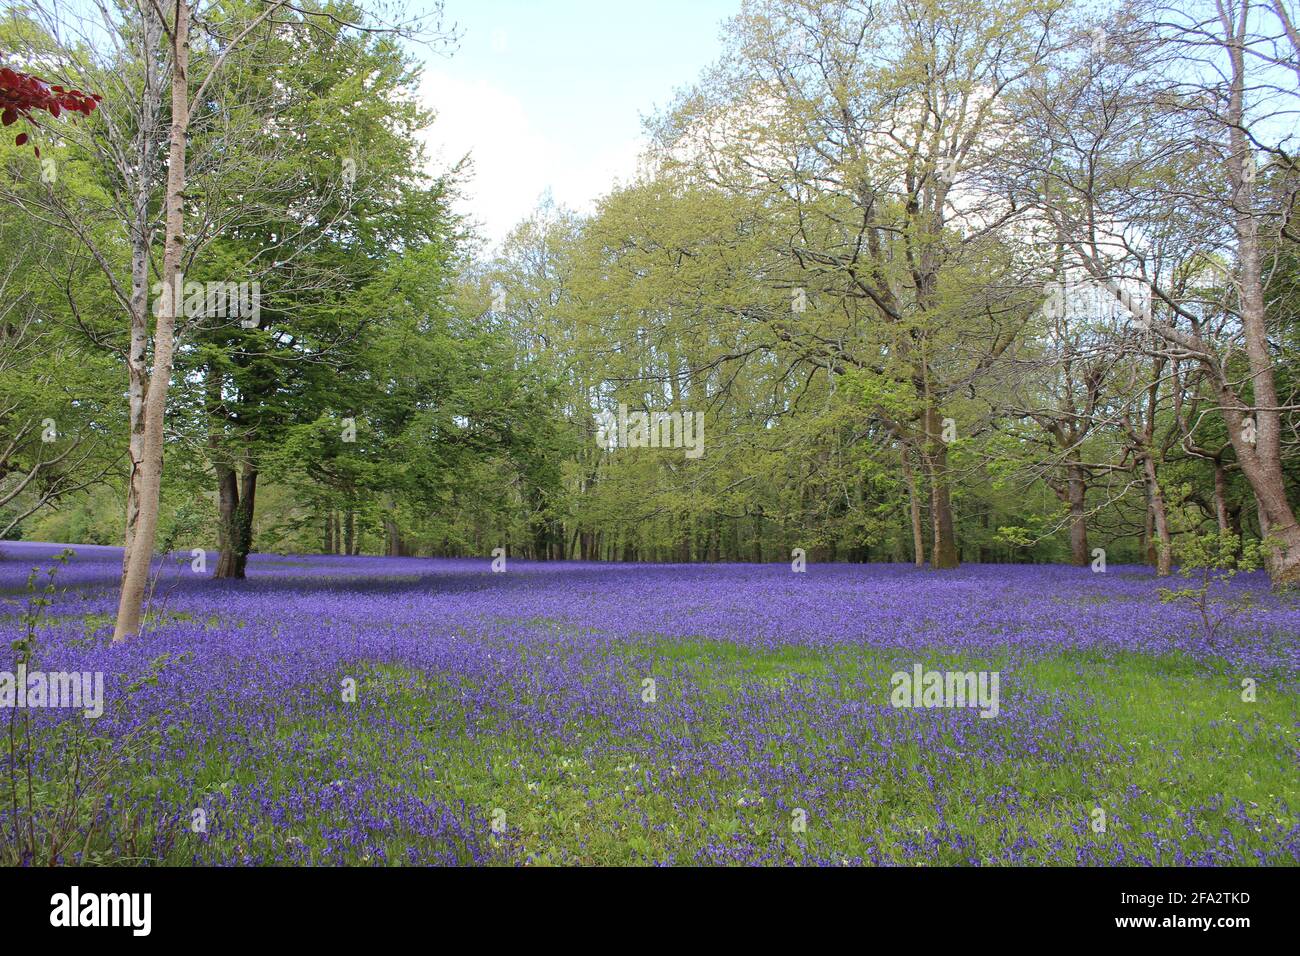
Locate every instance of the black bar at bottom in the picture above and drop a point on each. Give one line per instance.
(335, 906)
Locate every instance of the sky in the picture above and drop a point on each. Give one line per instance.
(548, 95)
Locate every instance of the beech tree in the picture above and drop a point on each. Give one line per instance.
(147, 83)
(945, 281)
(875, 126)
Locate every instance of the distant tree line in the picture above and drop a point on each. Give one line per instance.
(946, 281)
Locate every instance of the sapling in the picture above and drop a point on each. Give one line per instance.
(55, 811)
(1211, 561)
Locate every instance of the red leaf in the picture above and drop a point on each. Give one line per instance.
(21, 94)
(21, 139)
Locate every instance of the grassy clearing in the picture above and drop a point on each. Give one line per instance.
(1169, 751)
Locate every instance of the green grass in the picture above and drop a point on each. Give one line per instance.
(1178, 747)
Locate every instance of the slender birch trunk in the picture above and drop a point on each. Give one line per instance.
(149, 472)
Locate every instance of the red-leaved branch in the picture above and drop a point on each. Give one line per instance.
(21, 94)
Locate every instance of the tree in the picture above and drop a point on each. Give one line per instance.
(56, 422)
(1157, 143)
(873, 128)
(139, 70)
(336, 189)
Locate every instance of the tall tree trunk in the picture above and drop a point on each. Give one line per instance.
(914, 507)
(1263, 520)
(1149, 533)
(1077, 492)
(244, 517)
(1221, 498)
(1159, 518)
(141, 240)
(227, 483)
(943, 549)
(236, 506)
(227, 504)
(943, 553)
(139, 557)
(1261, 461)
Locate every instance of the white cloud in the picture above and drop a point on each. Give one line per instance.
(514, 161)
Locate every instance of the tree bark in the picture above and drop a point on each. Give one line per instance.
(236, 505)
(943, 550)
(227, 503)
(1159, 517)
(1221, 499)
(914, 507)
(1261, 461)
(1077, 492)
(395, 545)
(139, 555)
(141, 240)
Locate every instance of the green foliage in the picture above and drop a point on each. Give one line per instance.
(1211, 561)
(819, 300)
(61, 805)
